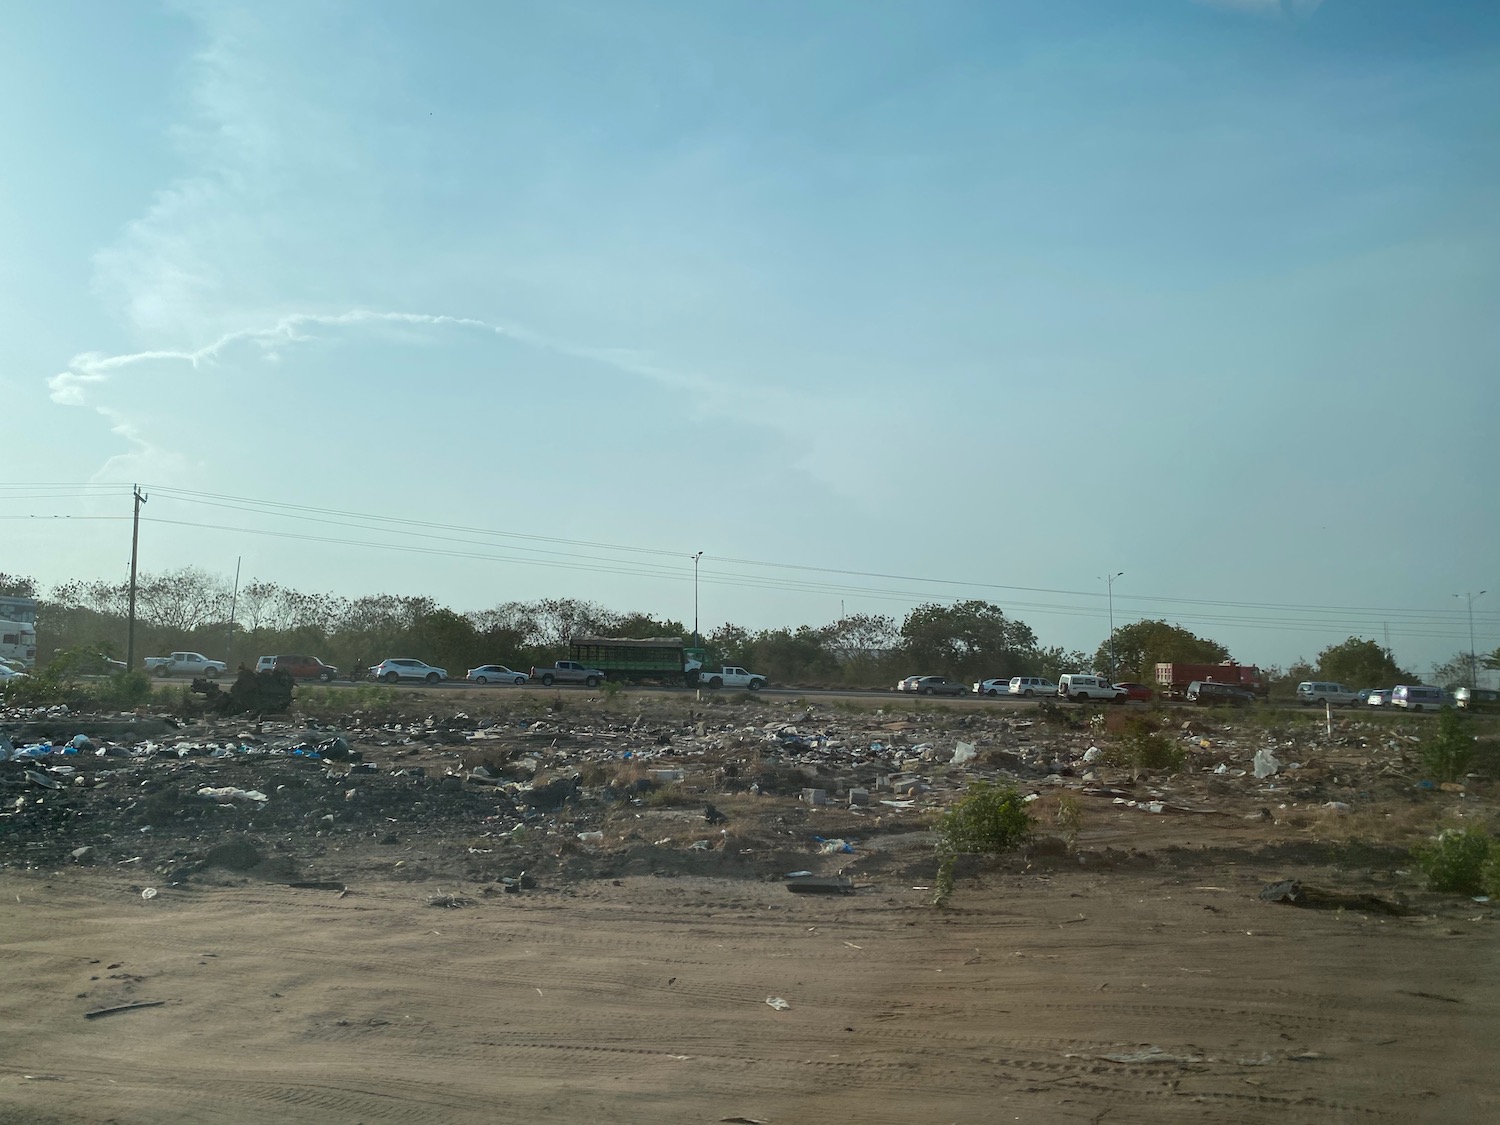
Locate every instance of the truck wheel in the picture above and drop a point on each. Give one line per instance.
(164, 672)
(1082, 697)
(391, 677)
(212, 673)
(547, 680)
(755, 685)
(592, 681)
(716, 682)
(1028, 693)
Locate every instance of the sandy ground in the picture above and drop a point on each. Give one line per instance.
(1167, 994)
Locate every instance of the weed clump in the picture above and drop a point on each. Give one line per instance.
(1141, 746)
(1449, 751)
(988, 820)
(1458, 861)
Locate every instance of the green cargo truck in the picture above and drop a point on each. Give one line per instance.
(656, 658)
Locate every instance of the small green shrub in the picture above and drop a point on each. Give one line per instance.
(611, 688)
(989, 819)
(1141, 746)
(1069, 818)
(1457, 861)
(1448, 752)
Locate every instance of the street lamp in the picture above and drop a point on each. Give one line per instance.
(1109, 582)
(696, 642)
(1473, 675)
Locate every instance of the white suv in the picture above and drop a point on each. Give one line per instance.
(1031, 685)
(1082, 688)
(391, 671)
(1320, 692)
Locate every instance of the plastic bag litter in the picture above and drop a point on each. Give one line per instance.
(227, 793)
(778, 1003)
(834, 847)
(1092, 754)
(1266, 764)
(963, 752)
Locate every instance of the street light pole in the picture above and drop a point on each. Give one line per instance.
(1109, 582)
(696, 642)
(1473, 674)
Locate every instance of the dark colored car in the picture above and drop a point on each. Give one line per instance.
(938, 685)
(1206, 693)
(305, 668)
(1135, 691)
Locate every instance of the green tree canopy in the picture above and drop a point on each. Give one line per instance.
(968, 639)
(1141, 645)
(1361, 664)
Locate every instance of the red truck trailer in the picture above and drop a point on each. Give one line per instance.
(1172, 679)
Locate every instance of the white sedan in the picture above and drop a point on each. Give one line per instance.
(7, 674)
(992, 687)
(496, 674)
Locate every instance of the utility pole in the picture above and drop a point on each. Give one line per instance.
(1473, 673)
(234, 604)
(696, 558)
(1109, 582)
(135, 539)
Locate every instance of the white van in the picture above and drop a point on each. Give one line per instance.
(1417, 697)
(1081, 688)
(1321, 692)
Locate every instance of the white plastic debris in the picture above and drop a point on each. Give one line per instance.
(227, 793)
(1266, 764)
(778, 1003)
(1092, 754)
(591, 837)
(149, 893)
(963, 752)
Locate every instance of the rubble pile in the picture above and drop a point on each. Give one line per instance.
(677, 787)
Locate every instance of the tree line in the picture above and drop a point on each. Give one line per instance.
(192, 609)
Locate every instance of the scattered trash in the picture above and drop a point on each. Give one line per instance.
(820, 885)
(1092, 754)
(778, 1003)
(591, 837)
(43, 780)
(963, 752)
(1294, 893)
(149, 893)
(1266, 764)
(135, 1007)
(835, 846)
(224, 794)
(450, 902)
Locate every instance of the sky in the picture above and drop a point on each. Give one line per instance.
(872, 303)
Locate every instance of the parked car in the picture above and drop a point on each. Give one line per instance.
(1083, 688)
(299, 667)
(1140, 692)
(1029, 686)
(8, 674)
(1206, 693)
(937, 685)
(992, 687)
(496, 674)
(390, 671)
(1378, 697)
(1320, 692)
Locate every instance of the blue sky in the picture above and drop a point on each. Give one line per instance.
(1009, 295)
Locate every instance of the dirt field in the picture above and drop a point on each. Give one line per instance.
(1136, 978)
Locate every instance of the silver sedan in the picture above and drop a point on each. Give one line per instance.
(496, 674)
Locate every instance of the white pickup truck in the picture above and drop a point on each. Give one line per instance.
(728, 676)
(186, 664)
